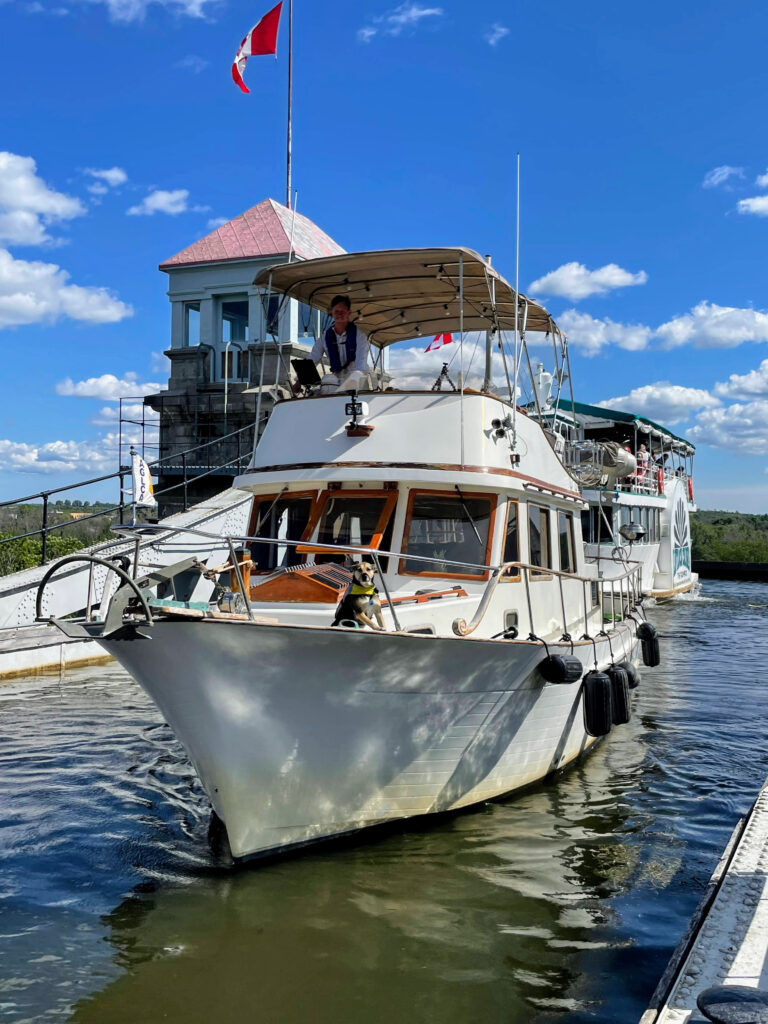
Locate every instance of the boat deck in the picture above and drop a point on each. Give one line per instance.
(727, 940)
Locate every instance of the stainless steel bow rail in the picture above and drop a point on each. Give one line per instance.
(187, 462)
(615, 599)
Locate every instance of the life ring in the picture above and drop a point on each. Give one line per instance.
(690, 488)
(660, 480)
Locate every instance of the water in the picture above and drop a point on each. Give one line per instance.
(560, 905)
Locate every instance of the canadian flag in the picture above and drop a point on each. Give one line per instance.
(260, 40)
(438, 341)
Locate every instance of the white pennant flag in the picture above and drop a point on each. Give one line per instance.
(143, 492)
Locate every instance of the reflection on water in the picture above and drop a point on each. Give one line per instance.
(562, 904)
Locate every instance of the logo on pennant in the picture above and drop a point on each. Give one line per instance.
(143, 491)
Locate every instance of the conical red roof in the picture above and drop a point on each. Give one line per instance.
(264, 230)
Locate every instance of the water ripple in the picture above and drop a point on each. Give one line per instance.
(113, 909)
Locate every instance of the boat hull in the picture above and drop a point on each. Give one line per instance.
(301, 733)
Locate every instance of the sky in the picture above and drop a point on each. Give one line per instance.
(644, 192)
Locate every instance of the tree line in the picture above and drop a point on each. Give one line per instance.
(729, 537)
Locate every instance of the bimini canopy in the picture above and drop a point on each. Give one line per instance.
(397, 294)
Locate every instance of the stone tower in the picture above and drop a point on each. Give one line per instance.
(221, 327)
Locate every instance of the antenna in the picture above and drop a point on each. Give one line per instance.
(517, 306)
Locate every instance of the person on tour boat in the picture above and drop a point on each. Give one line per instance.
(344, 343)
(642, 463)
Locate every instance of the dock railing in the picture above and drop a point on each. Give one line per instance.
(186, 463)
(614, 599)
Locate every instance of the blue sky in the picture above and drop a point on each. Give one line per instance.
(644, 191)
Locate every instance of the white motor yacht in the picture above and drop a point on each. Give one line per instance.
(505, 654)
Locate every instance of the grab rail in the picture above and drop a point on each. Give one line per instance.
(632, 576)
(629, 595)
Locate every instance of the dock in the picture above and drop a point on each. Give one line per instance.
(726, 942)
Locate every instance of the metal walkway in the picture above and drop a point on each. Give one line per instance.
(727, 940)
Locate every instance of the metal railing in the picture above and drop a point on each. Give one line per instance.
(189, 471)
(620, 594)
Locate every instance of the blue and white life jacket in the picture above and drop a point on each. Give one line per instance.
(332, 348)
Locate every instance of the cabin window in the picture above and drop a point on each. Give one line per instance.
(512, 540)
(595, 524)
(356, 519)
(538, 537)
(283, 517)
(565, 536)
(450, 527)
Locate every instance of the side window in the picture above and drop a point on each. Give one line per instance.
(512, 538)
(538, 537)
(358, 520)
(447, 526)
(565, 536)
(586, 525)
(283, 518)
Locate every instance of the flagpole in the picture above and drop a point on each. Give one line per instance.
(290, 103)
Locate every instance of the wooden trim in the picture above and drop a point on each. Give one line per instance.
(259, 498)
(423, 598)
(487, 495)
(390, 500)
(507, 577)
(445, 467)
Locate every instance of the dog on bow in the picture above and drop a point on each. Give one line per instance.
(361, 602)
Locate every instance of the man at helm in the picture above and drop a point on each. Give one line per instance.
(345, 345)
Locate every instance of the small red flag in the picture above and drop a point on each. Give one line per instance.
(438, 341)
(260, 40)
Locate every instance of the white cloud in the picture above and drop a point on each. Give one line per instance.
(496, 33)
(161, 201)
(720, 175)
(756, 204)
(36, 292)
(107, 387)
(711, 326)
(413, 367)
(745, 385)
(170, 201)
(60, 456)
(109, 415)
(741, 428)
(192, 63)
(591, 334)
(663, 402)
(111, 176)
(762, 180)
(28, 205)
(574, 281)
(216, 222)
(405, 16)
(98, 188)
(136, 10)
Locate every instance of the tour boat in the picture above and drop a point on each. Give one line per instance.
(505, 653)
(637, 477)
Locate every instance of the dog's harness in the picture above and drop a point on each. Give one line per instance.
(359, 590)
